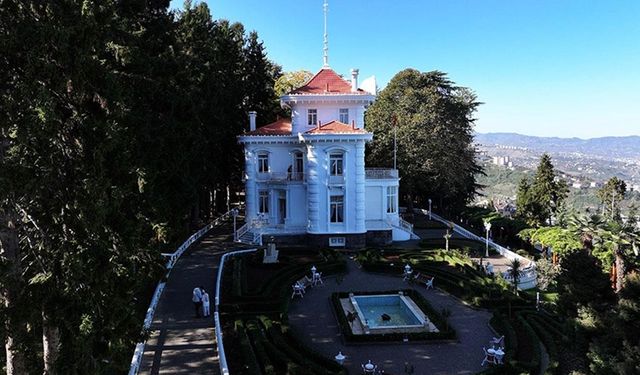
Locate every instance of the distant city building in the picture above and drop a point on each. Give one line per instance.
(502, 161)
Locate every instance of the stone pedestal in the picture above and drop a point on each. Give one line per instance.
(270, 254)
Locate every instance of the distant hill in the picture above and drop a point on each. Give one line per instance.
(606, 147)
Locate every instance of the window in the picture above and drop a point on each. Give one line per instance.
(335, 164)
(344, 115)
(263, 202)
(337, 241)
(298, 166)
(312, 117)
(263, 163)
(392, 199)
(336, 208)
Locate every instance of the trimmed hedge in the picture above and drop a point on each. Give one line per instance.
(291, 350)
(534, 341)
(261, 346)
(446, 331)
(249, 360)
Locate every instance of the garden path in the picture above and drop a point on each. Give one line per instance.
(180, 343)
(313, 320)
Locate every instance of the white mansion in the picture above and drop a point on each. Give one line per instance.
(306, 180)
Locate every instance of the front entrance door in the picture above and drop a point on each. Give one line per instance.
(282, 208)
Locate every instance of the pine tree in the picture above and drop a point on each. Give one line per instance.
(610, 195)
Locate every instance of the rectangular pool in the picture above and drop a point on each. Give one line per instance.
(400, 313)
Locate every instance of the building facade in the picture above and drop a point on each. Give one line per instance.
(306, 179)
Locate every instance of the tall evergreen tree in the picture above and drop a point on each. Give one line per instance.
(434, 123)
(109, 132)
(542, 199)
(547, 191)
(610, 195)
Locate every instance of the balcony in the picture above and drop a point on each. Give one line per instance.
(381, 173)
(279, 176)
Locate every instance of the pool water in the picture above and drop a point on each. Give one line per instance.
(372, 308)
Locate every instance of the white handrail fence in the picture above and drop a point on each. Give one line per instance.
(528, 274)
(172, 259)
(224, 368)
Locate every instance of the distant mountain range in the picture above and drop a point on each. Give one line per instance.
(605, 147)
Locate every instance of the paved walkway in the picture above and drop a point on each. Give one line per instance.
(313, 320)
(180, 343)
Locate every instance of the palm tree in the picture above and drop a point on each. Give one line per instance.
(587, 229)
(514, 273)
(620, 237)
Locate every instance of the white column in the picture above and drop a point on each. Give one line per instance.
(313, 189)
(250, 186)
(360, 182)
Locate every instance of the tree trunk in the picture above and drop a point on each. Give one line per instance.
(619, 271)
(10, 253)
(50, 343)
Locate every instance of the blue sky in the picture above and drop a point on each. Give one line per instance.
(568, 68)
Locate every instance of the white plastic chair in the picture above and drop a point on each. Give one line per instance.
(488, 358)
(429, 283)
(317, 278)
(497, 341)
(297, 290)
(369, 368)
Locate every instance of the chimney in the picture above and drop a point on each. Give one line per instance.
(353, 124)
(354, 80)
(252, 120)
(319, 124)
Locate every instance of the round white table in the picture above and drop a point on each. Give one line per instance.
(369, 367)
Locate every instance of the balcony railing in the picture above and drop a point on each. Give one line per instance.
(380, 173)
(280, 176)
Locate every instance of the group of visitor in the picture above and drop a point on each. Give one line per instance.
(201, 302)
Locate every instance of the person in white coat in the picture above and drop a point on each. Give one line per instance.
(205, 303)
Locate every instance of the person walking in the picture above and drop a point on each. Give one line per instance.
(205, 304)
(197, 300)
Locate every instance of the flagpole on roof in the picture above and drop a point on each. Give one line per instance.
(395, 140)
(325, 8)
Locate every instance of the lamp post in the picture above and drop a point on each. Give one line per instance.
(487, 226)
(234, 213)
(429, 200)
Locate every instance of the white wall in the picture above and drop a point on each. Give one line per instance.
(376, 200)
(374, 203)
(326, 113)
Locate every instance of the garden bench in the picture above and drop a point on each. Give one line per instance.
(305, 282)
(424, 279)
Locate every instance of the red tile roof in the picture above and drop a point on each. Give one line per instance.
(280, 127)
(336, 127)
(326, 81)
